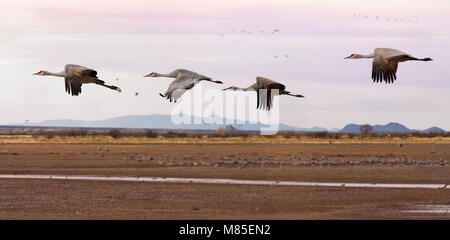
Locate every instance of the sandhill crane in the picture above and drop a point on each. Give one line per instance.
(184, 80)
(265, 98)
(75, 76)
(385, 62)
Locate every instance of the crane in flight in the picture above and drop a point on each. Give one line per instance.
(385, 63)
(264, 92)
(184, 80)
(76, 75)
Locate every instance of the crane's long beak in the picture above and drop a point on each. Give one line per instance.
(36, 73)
(148, 75)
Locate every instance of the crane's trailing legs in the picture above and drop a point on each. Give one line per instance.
(422, 59)
(294, 95)
(210, 80)
(102, 83)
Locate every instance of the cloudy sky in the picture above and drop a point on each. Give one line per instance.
(128, 39)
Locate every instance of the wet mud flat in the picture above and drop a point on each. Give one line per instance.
(343, 163)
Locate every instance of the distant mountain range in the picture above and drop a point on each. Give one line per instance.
(165, 122)
(391, 127)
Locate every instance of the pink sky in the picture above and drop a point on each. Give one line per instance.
(201, 16)
(128, 39)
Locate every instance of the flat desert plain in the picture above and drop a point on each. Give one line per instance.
(412, 162)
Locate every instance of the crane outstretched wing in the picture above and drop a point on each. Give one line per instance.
(385, 64)
(75, 74)
(265, 98)
(178, 87)
(261, 99)
(73, 85)
(384, 69)
(267, 90)
(73, 79)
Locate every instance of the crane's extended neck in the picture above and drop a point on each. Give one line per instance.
(372, 55)
(60, 74)
(245, 89)
(169, 75)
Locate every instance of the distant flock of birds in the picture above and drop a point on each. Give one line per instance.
(284, 162)
(384, 68)
(379, 18)
(273, 31)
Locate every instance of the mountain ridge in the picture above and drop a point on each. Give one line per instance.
(159, 121)
(391, 127)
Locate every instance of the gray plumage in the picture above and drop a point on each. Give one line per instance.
(75, 76)
(385, 63)
(266, 89)
(184, 80)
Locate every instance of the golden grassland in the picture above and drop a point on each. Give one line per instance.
(345, 139)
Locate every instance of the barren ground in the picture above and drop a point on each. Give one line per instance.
(366, 163)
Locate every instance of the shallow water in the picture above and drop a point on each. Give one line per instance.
(223, 181)
(440, 209)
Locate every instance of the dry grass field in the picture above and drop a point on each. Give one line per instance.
(362, 160)
(205, 139)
